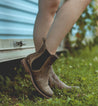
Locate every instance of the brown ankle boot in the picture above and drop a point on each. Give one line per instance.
(55, 82)
(38, 64)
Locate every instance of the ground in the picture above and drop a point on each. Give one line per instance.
(80, 69)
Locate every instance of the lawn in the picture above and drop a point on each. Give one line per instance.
(80, 69)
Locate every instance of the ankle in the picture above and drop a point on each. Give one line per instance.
(50, 50)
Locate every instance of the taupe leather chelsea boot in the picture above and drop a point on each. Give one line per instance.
(38, 64)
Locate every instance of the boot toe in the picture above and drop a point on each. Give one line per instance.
(48, 91)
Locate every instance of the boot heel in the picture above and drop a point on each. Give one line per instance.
(25, 66)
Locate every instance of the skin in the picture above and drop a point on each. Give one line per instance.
(44, 20)
(55, 30)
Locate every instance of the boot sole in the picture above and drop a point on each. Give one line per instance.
(27, 69)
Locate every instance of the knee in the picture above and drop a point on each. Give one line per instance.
(53, 6)
(49, 6)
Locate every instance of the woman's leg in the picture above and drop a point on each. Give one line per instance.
(45, 17)
(65, 19)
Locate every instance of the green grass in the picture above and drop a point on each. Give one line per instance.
(80, 69)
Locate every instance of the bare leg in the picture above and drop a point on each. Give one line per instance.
(66, 17)
(45, 17)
